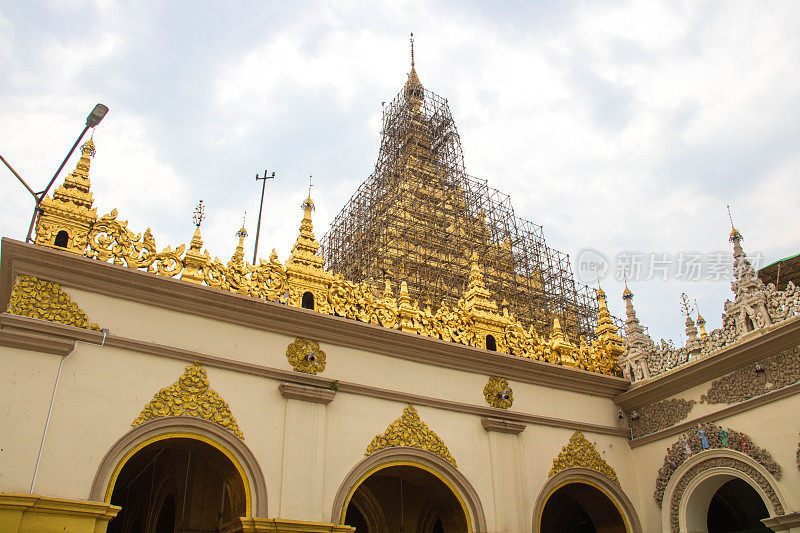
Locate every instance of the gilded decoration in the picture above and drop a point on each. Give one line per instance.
(306, 356)
(45, 300)
(471, 320)
(498, 393)
(660, 415)
(580, 453)
(773, 373)
(410, 430)
(709, 436)
(191, 395)
(717, 462)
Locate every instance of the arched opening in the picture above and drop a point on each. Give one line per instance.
(407, 498)
(62, 239)
(308, 301)
(177, 484)
(736, 507)
(580, 508)
(491, 344)
(748, 322)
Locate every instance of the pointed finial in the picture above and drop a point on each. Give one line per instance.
(412, 49)
(686, 307)
(242, 233)
(198, 214)
(700, 319)
(310, 177)
(308, 204)
(735, 235)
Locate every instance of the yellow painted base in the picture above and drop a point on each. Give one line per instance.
(32, 513)
(281, 525)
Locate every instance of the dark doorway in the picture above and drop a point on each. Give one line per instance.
(491, 344)
(736, 508)
(62, 239)
(308, 301)
(405, 498)
(580, 508)
(178, 484)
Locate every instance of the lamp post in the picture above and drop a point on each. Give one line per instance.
(92, 120)
(263, 181)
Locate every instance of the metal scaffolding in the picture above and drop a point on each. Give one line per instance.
(420, 218)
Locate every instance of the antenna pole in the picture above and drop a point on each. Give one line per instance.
(263, 181)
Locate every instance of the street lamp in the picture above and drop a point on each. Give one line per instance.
(92, 120)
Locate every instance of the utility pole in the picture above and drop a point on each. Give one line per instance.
(263, 181)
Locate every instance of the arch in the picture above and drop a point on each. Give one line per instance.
(405, 456)
(307, 301)
(189, 428)
(596, 480)
(62, 239)
(698, 478)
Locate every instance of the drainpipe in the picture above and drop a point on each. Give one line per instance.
(53, 400)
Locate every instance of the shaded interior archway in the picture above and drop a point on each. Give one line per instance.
(177, 484)
(736, 507)
(580, 508)
(405, 498)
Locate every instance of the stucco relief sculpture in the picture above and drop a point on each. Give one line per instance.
(471, 320)
(773, 373)
(706, 437)
(755, 306)
(580, 453)
(716, 462)
(660, 415)
(35, 298)
(498, 393)
(191, 395)
(305, 355)
(410, 430)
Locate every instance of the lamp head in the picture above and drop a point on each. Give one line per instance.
(96, 115)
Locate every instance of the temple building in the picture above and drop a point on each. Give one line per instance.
(430, 365)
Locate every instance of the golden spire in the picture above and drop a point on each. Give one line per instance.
(66, 218)
(238, 255)
(304, 251)
(413, 90)
(735, 235)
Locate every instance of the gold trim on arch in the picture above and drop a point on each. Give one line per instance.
(183, 435)
(597, 486)
(421, 466)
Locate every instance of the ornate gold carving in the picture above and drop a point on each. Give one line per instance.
(657, 416)
(498, 393)
(45, 300)
(410, 430)
(691, 443)
(69, 212)
(580, 453)
(715, 462)
(471, 321)
(775, 372)
(191, 395)
(306, 356)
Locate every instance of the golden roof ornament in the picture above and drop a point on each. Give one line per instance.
(238, 255)
(413, 89)
(65, 220)
(195, 262)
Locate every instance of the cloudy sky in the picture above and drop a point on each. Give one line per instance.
(624, 128)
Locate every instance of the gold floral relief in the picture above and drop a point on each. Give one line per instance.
(306, 356)
(191, 395)
(410, 430)
(580, 453)
(36, 298)
(498, 393)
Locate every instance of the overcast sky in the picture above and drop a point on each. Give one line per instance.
(621, 127)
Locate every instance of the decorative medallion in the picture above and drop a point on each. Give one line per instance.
(36, 298)
(306, 356)
(705, 437)
(498, 393)
(191, 395)
(580, 453)
(410, 430)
